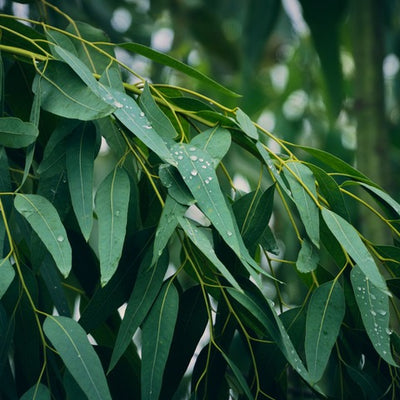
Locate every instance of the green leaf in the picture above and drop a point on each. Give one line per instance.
(7, 274)
(78, 355)
(384, 196)
(246, 124)
(324, 317)
(80, 162)
(308, 257)
(145, 291)
(374, 309)
(63, 93)
(215, 141)
(175, 64)
(177, 189)
(112, 199)
(45, 221)
(350, 240)
(16, 133)
(168, 222)
(204, 244)
(367, 384)
(308, 210)
(157, 333)
(157, 118)
(37, 392)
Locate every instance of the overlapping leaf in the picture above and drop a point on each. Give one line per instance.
(7, 274)
(78, 355)
(16, 133)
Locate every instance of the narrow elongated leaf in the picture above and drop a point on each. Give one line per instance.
(16, 133)
(324, 317)
(145, 291)
(369, 387)
(215, 141)
(203, 243)
(350, 240)
(263, 310)
(37, 392)
(44, 220)
(374, 309)
(246, 124)
(308, 257)
(112, 199)
(157, 333)
(7, 274)
(80, 162)
(171, 62)
(78, 355)
(305, 204)
(156, 117)
(384, 196)
(166, 227)
(6, 337)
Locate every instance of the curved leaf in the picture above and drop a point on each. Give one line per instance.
(80, 162)
(37, 392)
(324, 317)
(374, 309)
(157, 333)
(7, 274)
(350, 240)
(308, 257)
(78, 355)
(112, 200)
(246, 124)
(45, 221)
(16, 133)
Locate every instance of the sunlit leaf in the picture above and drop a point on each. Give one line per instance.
(44, 220)
(157, 333)
(308, 257)
(305, 204)
(384, 196)
(246, 124)
(112, 199)
(145, 291)
(78, 355)
(169, 61)
(37, 392)
(7, 274)
(350, 240)
(80, 162)
(374, 309)
(324, 317)
(16, 133)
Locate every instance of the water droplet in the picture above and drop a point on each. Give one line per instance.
(207, 181)
(142, 114)
(147, 126)
(60, 238)
(384, 352)
(382, 312)
(118, 104)
(180, 157)
(117, 213)
(359, 288)
(373, 313)
(176, 153)
(193, 172)
(201, 159)
(388, 331)
(193, 158)
(373, 297)
(229, 233)
(159, 252)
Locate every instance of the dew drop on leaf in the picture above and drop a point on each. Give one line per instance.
(193, 172)
(60, 238)
(193, 158)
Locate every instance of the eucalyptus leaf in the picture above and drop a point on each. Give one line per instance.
(157, 333)
(16, 133)
(246, 124)
(45, 221)
(374, 309)
(350, 240)
(37, 392)
(78, 355)
(324, 318)
(7, 274)
(112, 199)
(308, 257)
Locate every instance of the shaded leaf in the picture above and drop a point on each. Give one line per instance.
(171, 62)
(7, 274)
(44, 220)
(112, 199)
(37, 392)
(350, 240)
(145, 291)
(78, 355)
(80, 162)
(308, 257)
(305, 204)
(157, 333)
(324, 318)
(383, 196)
(6, 337)
(368, 386)
(16, 133)
(374, 309)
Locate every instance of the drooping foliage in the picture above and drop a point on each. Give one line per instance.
(132, 267)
